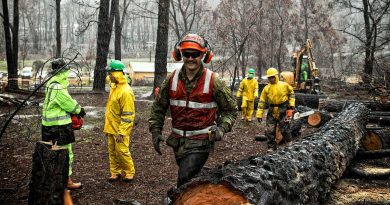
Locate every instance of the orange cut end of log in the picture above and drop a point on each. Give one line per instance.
(314, 119)
(210, 194)
(371, 141)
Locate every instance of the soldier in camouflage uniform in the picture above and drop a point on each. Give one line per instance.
(202, 108)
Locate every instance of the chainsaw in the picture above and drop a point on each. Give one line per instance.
(298, 115)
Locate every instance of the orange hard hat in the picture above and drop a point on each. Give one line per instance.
(193, 41)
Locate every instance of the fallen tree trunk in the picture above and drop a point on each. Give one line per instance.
(308, 100)
(374, 154)
(299, 174)
(376, 140)
(319, 118)
(49, 175)
(333, 105)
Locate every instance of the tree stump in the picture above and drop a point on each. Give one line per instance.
(49, 175)
(303, 173)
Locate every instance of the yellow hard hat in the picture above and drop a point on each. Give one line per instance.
(272, 72)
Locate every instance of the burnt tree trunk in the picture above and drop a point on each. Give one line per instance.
(299, 174)
(160, 65)
(49, 175)
(308, 100)
(333, 105)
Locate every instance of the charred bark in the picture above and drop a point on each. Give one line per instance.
(299, 174)
(359, 173)
(49, 175)
(308, 100)
(374, 154)
(333, 105)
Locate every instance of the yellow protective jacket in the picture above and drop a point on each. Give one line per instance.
(275, 94)
(120, 111)
(249, 89)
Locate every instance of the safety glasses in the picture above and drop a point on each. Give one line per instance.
(192, 54)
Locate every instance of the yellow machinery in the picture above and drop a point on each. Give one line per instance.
(305, 76)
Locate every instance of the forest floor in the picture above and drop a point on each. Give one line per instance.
(155, 174)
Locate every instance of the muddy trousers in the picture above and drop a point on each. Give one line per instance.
(272, 123)
(189, 166)
(247, 108)
(120, 157)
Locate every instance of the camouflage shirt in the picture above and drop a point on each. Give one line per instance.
(226, 112)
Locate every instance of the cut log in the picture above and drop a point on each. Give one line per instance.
(333, 105)
(380, 120)
(376, 140)
(303, 173)
(308, 100)
(319, 118)
(359, 173)
(49, 175)
(375, 154)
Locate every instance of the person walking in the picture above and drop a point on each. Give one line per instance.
(202, 108)
(119, 120)
(247, 93)
(58, 108)
(280, 98)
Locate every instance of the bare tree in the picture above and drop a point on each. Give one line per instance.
(105, 23)
(58, 28)
(374, 36)
(11, 33)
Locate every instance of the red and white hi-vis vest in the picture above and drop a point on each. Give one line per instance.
(192, 114)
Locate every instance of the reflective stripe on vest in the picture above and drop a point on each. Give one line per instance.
(185, 133)
(206, 86)
(191, 104)
(58, 118)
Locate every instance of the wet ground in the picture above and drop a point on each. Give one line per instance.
(155, 174)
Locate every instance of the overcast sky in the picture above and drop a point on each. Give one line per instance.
(213, 3)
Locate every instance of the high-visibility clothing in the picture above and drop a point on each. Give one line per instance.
(193, 113)
(249, 88)
(275, 95)
(120, 111)
(120, 157)
(58, 104)
(120, 114)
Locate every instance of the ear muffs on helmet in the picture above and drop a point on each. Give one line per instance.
(176, 52)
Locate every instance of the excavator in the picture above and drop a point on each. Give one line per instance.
(304, 78)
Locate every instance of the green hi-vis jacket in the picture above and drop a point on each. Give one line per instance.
(58, 103)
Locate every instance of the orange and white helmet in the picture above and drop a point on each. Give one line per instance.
(193, 41)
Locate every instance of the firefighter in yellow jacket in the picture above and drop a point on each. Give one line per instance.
(280, 98)
(120, 114)
(248, 92)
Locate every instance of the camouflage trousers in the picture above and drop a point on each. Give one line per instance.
(272, 123)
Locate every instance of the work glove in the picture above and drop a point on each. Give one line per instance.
(259, 120)
(82, 113)
(118, 138)
(216, 133)
(157, 138)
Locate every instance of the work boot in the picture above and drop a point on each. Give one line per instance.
(113, 178)
(67, 198)
(128, 178)
(72, 185)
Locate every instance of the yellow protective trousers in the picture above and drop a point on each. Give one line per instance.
(247, 108)
(120, 157)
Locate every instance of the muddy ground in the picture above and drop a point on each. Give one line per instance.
(155, 174)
